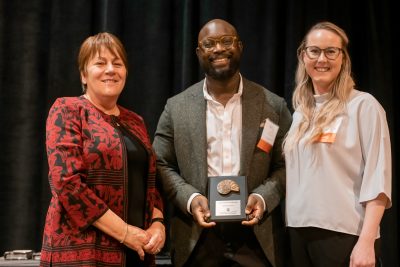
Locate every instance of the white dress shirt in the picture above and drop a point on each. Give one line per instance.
(224, 132)
(224, 136)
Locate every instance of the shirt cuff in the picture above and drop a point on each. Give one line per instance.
(190, 201)
(265, 206)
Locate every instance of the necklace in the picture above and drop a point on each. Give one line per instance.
(112, 111)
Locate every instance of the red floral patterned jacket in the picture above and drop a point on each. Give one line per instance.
(87, 175)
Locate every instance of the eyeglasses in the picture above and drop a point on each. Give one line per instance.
(226, 41)
(313, 52)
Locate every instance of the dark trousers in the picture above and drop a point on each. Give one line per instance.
(316, 247)
(228, 245)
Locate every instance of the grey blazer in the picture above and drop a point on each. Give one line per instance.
(181, 148)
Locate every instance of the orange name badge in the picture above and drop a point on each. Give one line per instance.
(268, 136)
(329, 133)
(327, 138)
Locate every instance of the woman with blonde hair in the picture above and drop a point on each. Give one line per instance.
(338, 158)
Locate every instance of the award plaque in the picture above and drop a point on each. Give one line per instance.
(228, 198)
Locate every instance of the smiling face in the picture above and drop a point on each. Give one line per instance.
(220, 61)
(104, 74)
(323, 71)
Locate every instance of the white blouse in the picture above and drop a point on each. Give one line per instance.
(328, 183)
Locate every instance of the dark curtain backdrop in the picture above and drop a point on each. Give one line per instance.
(39, 42)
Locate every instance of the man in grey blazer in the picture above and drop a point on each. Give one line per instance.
(214, 128)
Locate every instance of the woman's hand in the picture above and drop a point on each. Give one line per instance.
(137, 239)
(363, 254)
(157, 240)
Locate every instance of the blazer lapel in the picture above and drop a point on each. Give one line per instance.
(252, 102)
(252, 116)
(196, 111)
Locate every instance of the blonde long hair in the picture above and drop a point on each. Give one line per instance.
(303, 99)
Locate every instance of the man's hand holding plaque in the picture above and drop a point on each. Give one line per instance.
(254, 210)
(201, 212)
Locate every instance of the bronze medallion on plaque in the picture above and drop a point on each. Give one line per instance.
(228, 197)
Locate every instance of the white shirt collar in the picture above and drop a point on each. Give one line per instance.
(207, 96)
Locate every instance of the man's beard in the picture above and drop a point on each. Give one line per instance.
(221, 74)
